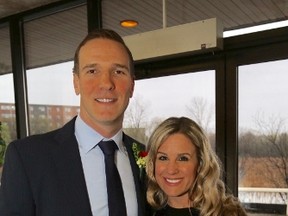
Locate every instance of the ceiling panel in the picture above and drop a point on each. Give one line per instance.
(10, 7)
(233, 14)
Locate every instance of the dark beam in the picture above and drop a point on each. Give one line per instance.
(94, 14)
(19, 76)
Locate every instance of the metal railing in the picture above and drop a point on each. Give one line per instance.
(264, 200)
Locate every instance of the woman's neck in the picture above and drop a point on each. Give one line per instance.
(179, 202)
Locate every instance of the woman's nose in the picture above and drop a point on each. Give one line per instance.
(172, 167)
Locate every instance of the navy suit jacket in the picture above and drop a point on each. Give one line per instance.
(43, 176)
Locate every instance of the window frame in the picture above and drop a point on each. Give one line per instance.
(238, 50)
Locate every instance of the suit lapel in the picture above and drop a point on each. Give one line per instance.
(128, 142)
(71, 177)
(70, 172)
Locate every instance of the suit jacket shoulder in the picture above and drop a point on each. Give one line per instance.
(47, 169)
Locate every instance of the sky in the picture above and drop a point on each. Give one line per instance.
(170, 95)
(263, 89)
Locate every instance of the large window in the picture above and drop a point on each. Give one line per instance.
(52, 101)
(191, 95)
(51, 97)
(50, 40)
(7, 102)
(263, 132)
(7, 108)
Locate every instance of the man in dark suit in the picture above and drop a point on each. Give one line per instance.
(62, 173)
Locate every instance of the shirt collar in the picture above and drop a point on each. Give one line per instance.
(118, 139)
(88, 138)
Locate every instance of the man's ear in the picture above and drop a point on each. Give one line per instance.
(132, 88)
(76, 83)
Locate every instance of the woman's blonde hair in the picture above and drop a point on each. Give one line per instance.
(208, 191)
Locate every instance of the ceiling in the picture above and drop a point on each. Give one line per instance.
(234, 14)
(10, 7)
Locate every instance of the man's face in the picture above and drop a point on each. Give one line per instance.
(104, 83)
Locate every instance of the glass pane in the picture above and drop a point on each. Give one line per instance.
(191, 95)
(49, 51)
(47, 43)
(263, 133)
(7, 101)
(52, 101)
(7, 108)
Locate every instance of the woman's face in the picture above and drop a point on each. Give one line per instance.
(176, 168)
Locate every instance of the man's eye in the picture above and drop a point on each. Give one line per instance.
(91, 71)
(119, 72)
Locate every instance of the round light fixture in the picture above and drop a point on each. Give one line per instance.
(128, 23)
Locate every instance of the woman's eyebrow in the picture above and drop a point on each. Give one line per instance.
(184, 154)
(158, 152)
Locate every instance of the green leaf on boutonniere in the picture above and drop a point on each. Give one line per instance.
(140, 156)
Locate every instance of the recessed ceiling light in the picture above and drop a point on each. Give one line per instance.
(128, 23)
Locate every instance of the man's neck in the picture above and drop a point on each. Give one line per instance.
(106, 129)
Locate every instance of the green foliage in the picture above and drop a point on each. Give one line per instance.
(40, 125)
(2, 147)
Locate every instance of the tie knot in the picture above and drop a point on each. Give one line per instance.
(108, 147)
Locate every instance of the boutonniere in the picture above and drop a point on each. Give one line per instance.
(140, 157)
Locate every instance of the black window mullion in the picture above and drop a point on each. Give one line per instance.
(19, 75)
(94, 14)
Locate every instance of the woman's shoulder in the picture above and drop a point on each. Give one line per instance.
(170, 211)
(160, 212)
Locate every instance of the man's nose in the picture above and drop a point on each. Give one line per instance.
(106, 81)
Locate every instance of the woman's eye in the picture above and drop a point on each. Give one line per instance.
(162, 158)
(183, 158)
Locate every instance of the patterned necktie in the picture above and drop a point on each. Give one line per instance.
(116, 200)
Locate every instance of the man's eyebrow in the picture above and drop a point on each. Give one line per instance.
(95, 65)
(89, 66)
(121, 66)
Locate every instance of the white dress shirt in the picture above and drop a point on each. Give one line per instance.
(94, 169)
